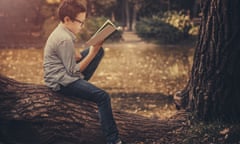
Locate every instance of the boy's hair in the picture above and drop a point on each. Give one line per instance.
(70, 8)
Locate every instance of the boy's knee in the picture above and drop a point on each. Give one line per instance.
(104, 97)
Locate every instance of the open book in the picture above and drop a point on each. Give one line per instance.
(102, 33)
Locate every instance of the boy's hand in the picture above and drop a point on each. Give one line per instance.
(95, 48)
(78, 56)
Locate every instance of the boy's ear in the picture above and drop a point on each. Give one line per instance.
(67, 19)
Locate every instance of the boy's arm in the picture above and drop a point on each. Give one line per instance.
(66, 52)
(90, 56)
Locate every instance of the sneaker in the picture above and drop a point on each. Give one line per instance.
(120, 142)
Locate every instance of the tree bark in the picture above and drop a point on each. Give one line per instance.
(213, 89)
(34, 114)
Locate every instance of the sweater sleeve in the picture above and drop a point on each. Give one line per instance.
(66, 52)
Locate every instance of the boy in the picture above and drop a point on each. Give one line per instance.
(67, 72)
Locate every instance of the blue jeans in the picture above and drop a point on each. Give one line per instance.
(87, 91)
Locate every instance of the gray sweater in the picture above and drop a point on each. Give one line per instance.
(60, 67)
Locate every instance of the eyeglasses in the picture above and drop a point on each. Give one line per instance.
(81, 22)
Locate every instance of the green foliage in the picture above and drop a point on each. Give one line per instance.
(194, 31)
(156, 29)
(101, 7)
(178, 20)
(169, 27)
(92, 25)
(150, 7)
(154, 7)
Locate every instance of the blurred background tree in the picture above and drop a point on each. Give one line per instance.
(31, 21)
(20, 21)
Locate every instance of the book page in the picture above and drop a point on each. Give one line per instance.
(102, 33)
(108, 22)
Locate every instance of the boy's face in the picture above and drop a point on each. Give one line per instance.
(75, 25)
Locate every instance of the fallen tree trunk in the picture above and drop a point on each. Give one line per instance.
(32, 113)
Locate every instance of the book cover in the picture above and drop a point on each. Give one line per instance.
(102, 33)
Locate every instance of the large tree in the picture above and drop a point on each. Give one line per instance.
(213, 90)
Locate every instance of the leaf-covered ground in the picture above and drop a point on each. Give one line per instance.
(141, 78)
